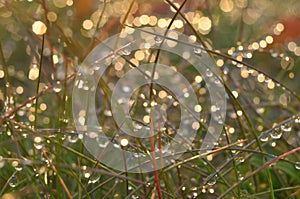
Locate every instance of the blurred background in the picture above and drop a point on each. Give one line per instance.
(256, 45)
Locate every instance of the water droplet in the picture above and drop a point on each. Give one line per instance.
(197, 51)
(17, 165)
(158, 40)
(96, 67)
(86, 174)
(247, 54)
(297, 120)
(240, 158)
(139, 155)
(241, 177)
(274, 53)
(73, 137)
(264, 138)
(297, 165)
(103, 144)
(94, 178)
(276, 133)
(218, 82)
(38, 143)
(208, 73)
(64, 120)
(287, 63)
(108, 113)
(286, 127)
(125, 52)
(195, 194)
(58, 87)
(13, 181)
(212, 181)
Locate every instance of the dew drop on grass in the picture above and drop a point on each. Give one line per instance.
(103, 144)
(38, 143)
(158, 40)
(96, 67)
(94, 178)
(73, 137)
(274, 53)
(286, 127)
(107, 113)
(58, 87)
(13, 182)
(241, 177)
(208, 73)
(212, 181)
(197, 51)
(276, 133)
(86, 174)
(195, 194)
(17, 165)
(240, 159)
(126, 52)
(264, 138)
(297, 165)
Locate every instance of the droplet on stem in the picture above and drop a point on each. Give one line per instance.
(197, 51)
(286, 127)
(94, 178)
(38, 143)
(212, 181)
(17, 165)
(13, 181)
(208, 73)
(126, 52)
(264, 138)
(73, 137)
(276, 133)
(58, 87)
(158, 40)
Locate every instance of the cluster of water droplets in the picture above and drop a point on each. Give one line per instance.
(279, 131)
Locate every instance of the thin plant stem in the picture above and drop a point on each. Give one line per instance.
(38, 82)
(59, 177)
(266, 165)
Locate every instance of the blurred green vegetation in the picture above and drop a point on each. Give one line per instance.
(255, 45)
